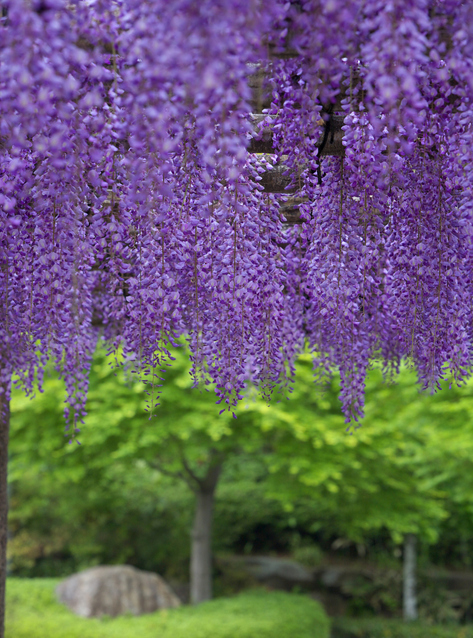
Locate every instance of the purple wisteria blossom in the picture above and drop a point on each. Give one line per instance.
(130, 206)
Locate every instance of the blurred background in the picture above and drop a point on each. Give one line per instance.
(300, 504)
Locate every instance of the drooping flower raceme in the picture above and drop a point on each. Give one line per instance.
(131, 207)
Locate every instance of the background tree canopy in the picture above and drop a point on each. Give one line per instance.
(291, 475)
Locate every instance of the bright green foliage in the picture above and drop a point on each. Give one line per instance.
(409, 468)
(83, 501)
(118, 426)
(409, 464)
(115, 486)
(32, 612)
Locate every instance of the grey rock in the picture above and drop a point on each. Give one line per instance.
(275, 572)
(115, 590)
(332, 576)
(451, 580)
(265, 567)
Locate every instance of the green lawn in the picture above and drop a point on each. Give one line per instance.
(32, 612)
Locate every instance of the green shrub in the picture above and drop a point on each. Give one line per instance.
(308, 554)
(32, 612)
(383, 628)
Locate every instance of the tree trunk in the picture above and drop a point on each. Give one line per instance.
(201, 546)
(409, 603)
(4, 430)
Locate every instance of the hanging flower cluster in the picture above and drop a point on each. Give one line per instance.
(130, 204)
(386, 266)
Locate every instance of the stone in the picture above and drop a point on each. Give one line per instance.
(115, 590)
(452, 580)
(277, 573)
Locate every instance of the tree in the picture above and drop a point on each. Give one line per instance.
(386, 477)
(129, 199)
(188, 441)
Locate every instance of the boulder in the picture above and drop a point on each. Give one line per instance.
(115, 590)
